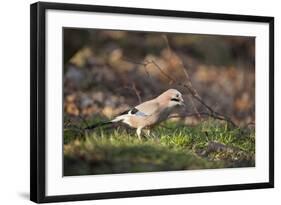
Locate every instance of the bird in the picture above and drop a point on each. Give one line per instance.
(149, 113)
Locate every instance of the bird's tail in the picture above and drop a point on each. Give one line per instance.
(100, 124)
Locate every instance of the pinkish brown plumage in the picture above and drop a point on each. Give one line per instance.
(150, 113)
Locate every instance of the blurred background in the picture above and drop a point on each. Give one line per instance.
(104, 72)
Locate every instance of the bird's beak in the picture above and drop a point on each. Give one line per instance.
(182, 102)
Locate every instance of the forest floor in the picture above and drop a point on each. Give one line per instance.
(170, 146)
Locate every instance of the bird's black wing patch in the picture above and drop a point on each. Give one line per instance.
(130, 111)
(125, 112)
(134, 110)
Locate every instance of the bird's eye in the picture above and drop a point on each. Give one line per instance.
(177, 95)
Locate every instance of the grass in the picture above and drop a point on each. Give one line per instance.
(173, 146)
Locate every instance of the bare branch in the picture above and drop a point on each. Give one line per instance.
(193, 92)
(162, 71)
(135, 90)
(188, 85)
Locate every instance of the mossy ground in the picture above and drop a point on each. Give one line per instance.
(171, 146)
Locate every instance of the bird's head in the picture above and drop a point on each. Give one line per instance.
(172, 97)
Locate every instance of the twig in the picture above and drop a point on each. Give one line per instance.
(162, 71)
(138, 63)
(188, 84)
(136, 91)
(250, 123)
(193, 92)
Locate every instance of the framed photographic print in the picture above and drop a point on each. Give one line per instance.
(129, 102)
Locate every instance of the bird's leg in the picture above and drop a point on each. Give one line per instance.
(139, 133)
(154, 135)
(147, 132)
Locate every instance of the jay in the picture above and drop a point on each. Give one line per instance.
(149, 113)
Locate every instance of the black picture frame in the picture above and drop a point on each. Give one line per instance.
(38, 101)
